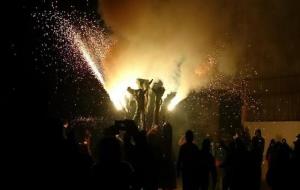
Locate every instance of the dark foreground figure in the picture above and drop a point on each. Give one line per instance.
(195, 165)
(127, 158)
(110, 172)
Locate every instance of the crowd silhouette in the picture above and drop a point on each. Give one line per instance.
(129, 158)
(196, 165)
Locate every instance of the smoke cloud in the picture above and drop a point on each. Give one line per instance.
(187, 43)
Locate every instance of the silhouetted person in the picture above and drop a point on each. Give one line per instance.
(76, 159)
(110, 172)
(296, 152)
(295, 162)
(128, 148)
(144, 163)
(154, 140)
(207, 166)
(270, 150)
(225, 170)
(246, 137)
(272, 157)
(279, 172)
(286, 148)
(188, 163)
(167, 168)
(258, 145)
(238, 164)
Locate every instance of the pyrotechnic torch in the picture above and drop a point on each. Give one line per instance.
(165, 104)
(159, 91)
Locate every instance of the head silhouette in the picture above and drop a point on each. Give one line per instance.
(189, 136)
(206, 144)
(258, 132)
(109, 150)
(272, 142)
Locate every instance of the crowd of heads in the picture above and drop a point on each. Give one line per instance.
(283, 163)
(126, 157)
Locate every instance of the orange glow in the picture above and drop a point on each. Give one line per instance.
(116, 85)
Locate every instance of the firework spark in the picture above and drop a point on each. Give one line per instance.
(86, 55)
(86, 46)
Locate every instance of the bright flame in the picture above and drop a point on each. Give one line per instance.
(118, 93)
(126, 78)
(173, 103)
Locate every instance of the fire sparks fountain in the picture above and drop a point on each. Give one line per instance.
(123, 61)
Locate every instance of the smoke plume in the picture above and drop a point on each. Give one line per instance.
(186, 43)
